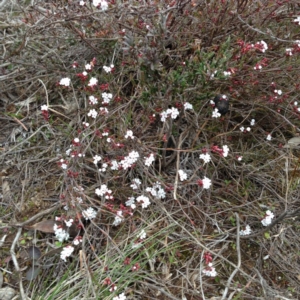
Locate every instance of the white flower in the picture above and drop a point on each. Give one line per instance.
(129, 160)
(96, 158)
(118, 218)
(60, 233)
(297, 20)
(269, 137)
(187, 106)
(135, 183)
(157, 191)
(66, 252)
(210, 271)
(174, 112)
(129, 134)
(120, 297)
(130, 202)
(252, 122)
(104, 5)
(264, 45)
(248, 129)
(65, 81)
(142, 235)
(103, 190)
(144, 200)
(89, 213)
(279, 92)
(267, 220)
(163, 116)
(242, 129)
(77, 240)
(88, 67)
(149, 160)
(92, 113)
(206, 182)
(114, 165)
(93, 100)
(108, 69)
(81, 3)
(106, 98)
(69, 222)
(247, 231)
(216, 113)
(206, 157)
(103, 110)
(93, 81)
(289, 51)
(226, 74)
(240, 158)
(225, 150)
(182, 175)
(44, 107)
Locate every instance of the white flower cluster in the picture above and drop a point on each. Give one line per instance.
(129, 134)
(225, 150)
(65, 81)
(106, 98)
(93, 113)
(157, 191)
(142, 235)
(247, 230)
(144, 200)
(97, 158)
(103, 191)
(216, 113)
(118, 218)
(93, 100)
(187, 106)
(267, 220)
(44, 107)
(170, 112)
(66, 252)
(149, 160)
(182, 175)
(264, 46)
(60, 233)
(135, 183)
(206, 182)
(129, 160)
(89, 213)
(108, 69)
(102, 3)
(131, 202)
(210, 271)
(120, 297)
(206, 157)
(92, 82)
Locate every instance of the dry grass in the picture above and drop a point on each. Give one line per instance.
(40, 44)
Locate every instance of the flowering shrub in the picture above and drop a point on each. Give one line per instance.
(147, 168)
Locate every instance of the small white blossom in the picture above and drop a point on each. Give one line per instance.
(129, 134)
(187, 106)
(108, 69)
(297, 20)
(239, 158)
(206, 157)
(120, 297)
(114, 165)
(216, 113)
(157, 191)
(182, 175)
(89, 213)
(88, 67)
(135, 183)
(144, 200)
(118, 218)
(44, 107)
(69, 222)
(279, 92)
(267, 220)
(252, 122)
(103, 190)
(174, 112)
(60, 233)
(93, 100)
(264, 46)
(248, 129)
(226, 74)
(129, 160)
(242, 128)
(205, 182)
(289, 51)
(225, 150)
(96, 158)
(149, 160)
(106, 98)
(103, 110)
(269, 137)
(93, 81)
(65, 81)
(66, 252)
(92, 113)
(210, 271)
(142, 235)
(247, 231)
(131, 202)
(81, 3)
